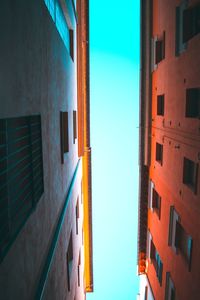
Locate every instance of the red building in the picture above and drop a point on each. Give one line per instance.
(169, 238)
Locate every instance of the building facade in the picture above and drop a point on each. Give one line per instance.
(45, 154)
(169, 239)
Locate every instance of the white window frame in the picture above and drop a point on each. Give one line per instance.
(169, 287)
(149, 239)
(174, 217)
(150, 194)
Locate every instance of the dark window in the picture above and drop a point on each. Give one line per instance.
(69, 260)
(146, 293)
(160, 105)
(156, 202)
(64, 134)
(191, 22)
(74, 125)
(179, 240)
(21, 175)
(159, 153)
(57, 14)
(79, 263)
(192, 103)
(180, 45)
(77, 214)
(160, 49)
(190, 174)
(170, 289)
(158, 265)
(183, 242)
(71, 38)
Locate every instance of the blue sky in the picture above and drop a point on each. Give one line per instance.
(114, 85)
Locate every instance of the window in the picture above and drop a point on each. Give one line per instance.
(192, 103)
(180, 45)
(178, 239)
(160, 105)
(160, 49)
(157, 263)
(64, 134)
(159, 153)
(190, 174)
(60, 21)
(154, 199)
(169, 289)
(77, 214)
(191, 22)
(146, 293)
(156, 202)
(71, 36)
(157, 50)
(79, 263)
(74, 125)
(69, 260)
(21, 175)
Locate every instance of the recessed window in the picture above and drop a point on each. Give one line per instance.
(77, 214)
(192, 109)
(156, 202)
(64, 134)
(159, 153)
(71, 36)
(155, 259)
(160, 49)
(180, 45)
(21, 174)
(60, 21)
(154, 199)
(74, 126)
(191, 22)
(169, 289)
(78, 268)
(190, 174)
(160, 105)
(146, 293)
(179, 240)
(69, 260)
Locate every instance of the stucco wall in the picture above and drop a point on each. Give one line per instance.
(173, 75)
(38, 76)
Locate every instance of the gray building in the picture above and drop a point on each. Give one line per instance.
(45, 154)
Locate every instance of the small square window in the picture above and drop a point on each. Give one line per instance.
(159, 153)
(160, 105)
(69, 260)
(64, 134)
(190, 174)
(192, 103)
(74, 125)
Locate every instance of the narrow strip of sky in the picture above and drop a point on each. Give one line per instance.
(114, 73)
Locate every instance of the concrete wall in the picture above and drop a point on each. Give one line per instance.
(173, 75)
(38, 76)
